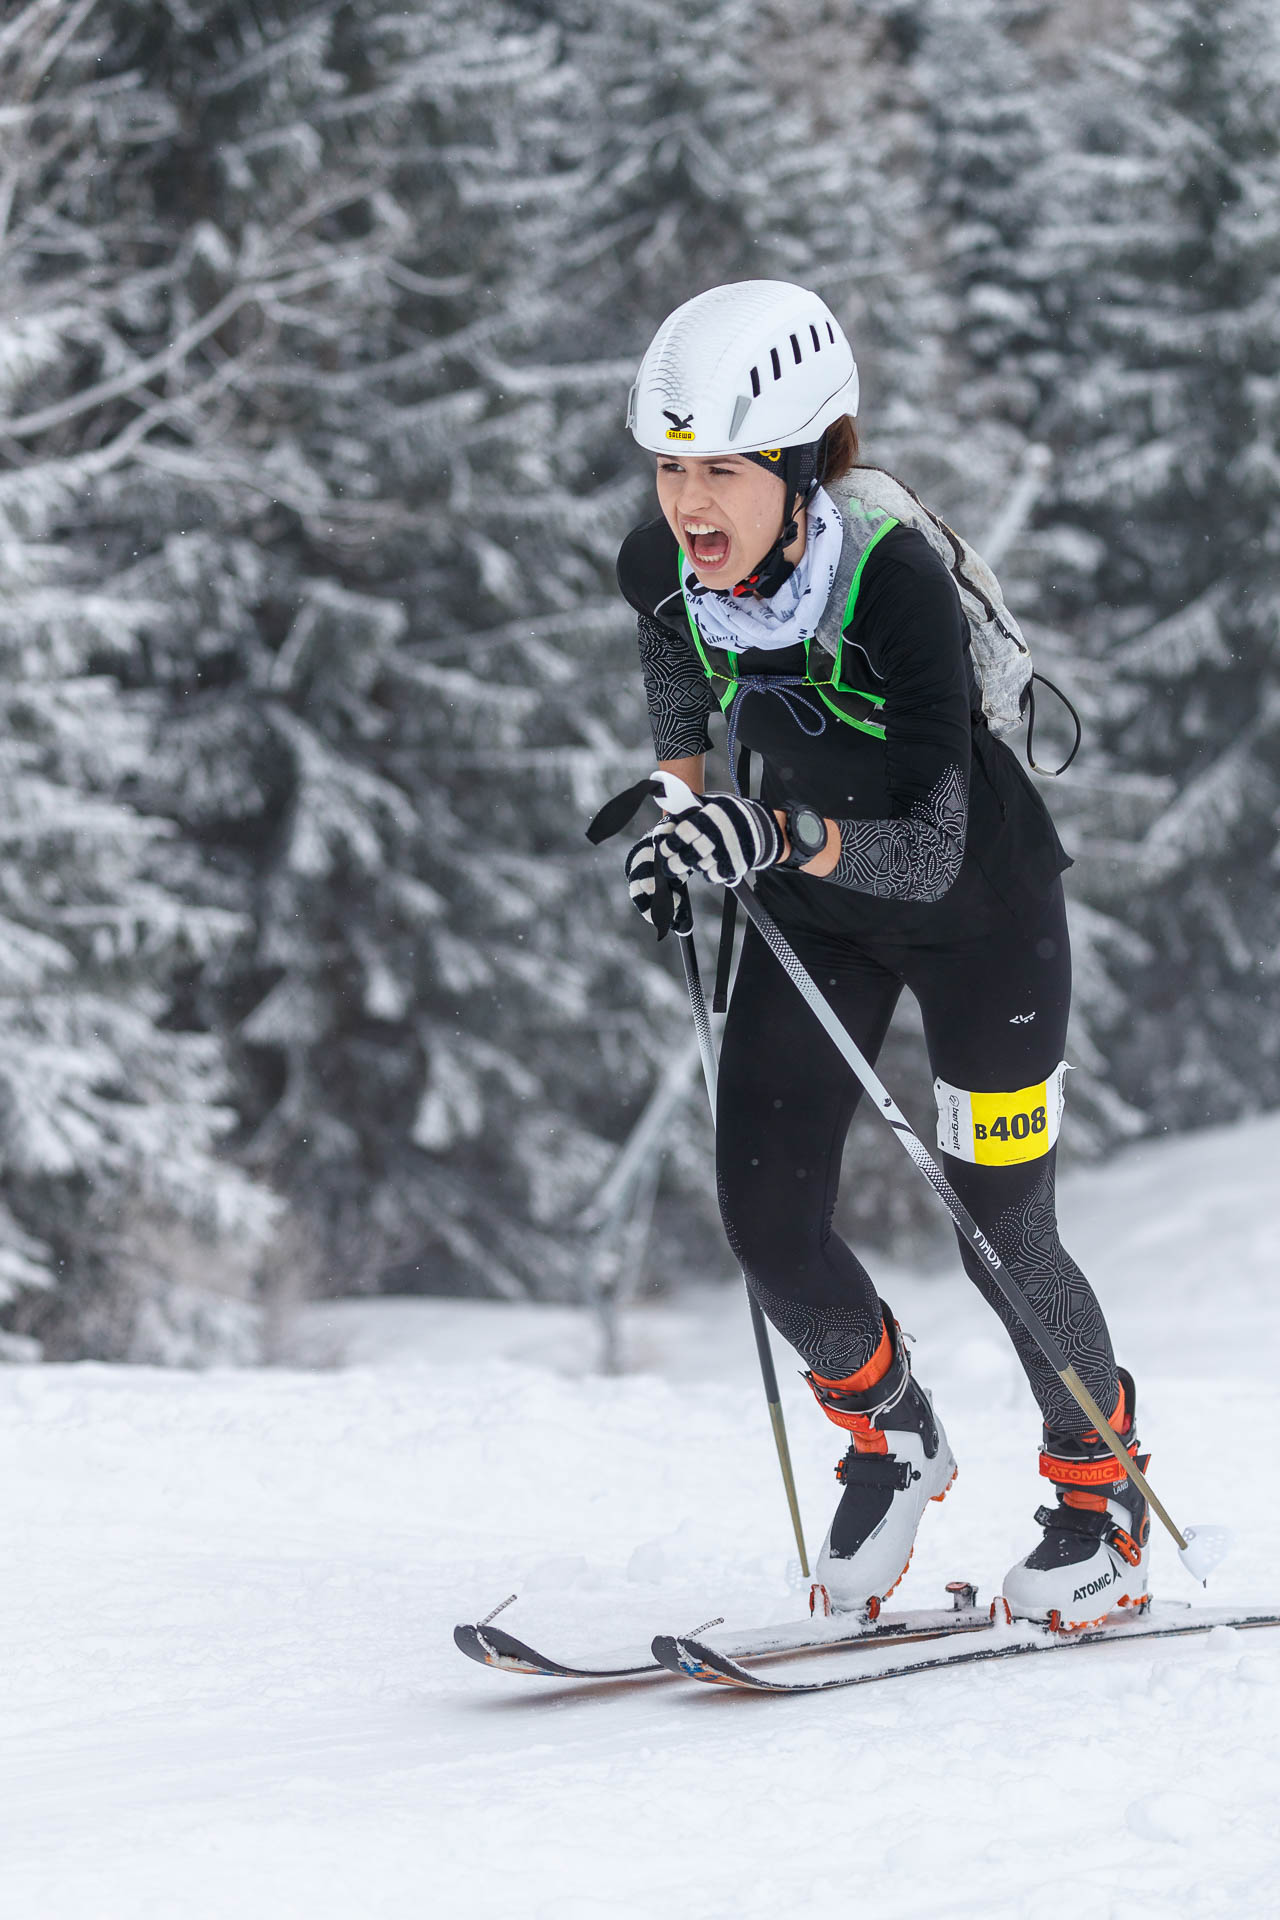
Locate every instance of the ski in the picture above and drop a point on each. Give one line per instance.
(493, 1647)
(692, 1658)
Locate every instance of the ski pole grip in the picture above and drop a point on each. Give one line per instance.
(676, 796)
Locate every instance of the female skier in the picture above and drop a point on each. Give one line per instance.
(898, 844)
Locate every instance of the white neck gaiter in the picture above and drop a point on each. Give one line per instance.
(793, 612)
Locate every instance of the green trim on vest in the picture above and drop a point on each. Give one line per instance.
(832, 691)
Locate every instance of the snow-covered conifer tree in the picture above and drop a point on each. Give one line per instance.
(364, 451)
(1170, 241)
(988, 134)
(116, 1201)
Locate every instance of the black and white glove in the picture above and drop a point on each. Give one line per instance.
(672, 911)
(725, 838)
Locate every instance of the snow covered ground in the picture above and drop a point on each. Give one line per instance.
(230, 1687)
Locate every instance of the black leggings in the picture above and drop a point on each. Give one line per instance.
(994, 1005)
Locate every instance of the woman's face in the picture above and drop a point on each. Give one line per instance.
(726, 514)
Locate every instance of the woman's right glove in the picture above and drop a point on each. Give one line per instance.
(642, 884)
(725, 837)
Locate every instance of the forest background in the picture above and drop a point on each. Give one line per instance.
(317, 331)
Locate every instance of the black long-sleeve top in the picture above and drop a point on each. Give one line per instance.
(927, 813)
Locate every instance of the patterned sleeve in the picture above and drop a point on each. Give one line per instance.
(916, 858)
(677, 690)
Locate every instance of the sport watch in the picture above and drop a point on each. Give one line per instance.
(807, 832)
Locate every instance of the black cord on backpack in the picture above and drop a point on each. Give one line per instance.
(1050, 772)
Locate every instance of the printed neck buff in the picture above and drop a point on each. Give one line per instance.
(793, 613)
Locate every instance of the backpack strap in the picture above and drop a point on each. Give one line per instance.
(838, 613)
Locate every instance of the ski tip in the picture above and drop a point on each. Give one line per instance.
(690, 1660)
(666, 1651)
(467, 1640)
(490, 1647)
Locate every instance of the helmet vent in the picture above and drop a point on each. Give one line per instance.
(795, 348)
(777, 364)
(755, 383)
(831, 333)
(816, 338)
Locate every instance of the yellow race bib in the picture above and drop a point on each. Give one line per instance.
(1001, 1129)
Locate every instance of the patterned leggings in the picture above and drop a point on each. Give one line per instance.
(994, 1005)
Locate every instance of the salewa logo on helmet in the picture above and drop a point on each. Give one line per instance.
(1094, 1586)
(680, 425)
(771, 453)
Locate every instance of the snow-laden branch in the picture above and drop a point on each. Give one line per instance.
(579, 375)
(124, 384)
(46, 47)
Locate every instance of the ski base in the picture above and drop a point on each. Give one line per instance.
(693, 1659)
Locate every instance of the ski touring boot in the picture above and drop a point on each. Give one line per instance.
(1096, 1543)
(898, 1461)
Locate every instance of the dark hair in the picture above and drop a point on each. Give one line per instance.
(837, 450)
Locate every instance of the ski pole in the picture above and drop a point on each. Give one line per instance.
(1199, 1548)
(706, 1047)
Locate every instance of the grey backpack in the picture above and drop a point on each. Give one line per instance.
(871, 500)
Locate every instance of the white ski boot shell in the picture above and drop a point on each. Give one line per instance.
(1093, 1557)
(899, 1460)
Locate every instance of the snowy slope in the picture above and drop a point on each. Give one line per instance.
(230, 1687)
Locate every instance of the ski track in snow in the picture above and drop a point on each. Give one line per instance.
(230, 1686)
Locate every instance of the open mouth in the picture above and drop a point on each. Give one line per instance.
(709, 545)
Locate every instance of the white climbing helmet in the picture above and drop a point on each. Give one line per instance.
(758, 363)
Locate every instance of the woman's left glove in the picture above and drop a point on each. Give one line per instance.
(669, 914)
(724, 838)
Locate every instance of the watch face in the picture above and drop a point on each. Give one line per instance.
(810, 829)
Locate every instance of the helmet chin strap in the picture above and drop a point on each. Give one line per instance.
(798, 472)
(775, 569)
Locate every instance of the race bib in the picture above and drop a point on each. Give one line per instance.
(1001, 1129)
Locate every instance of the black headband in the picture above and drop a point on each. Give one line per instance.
(796, 467)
